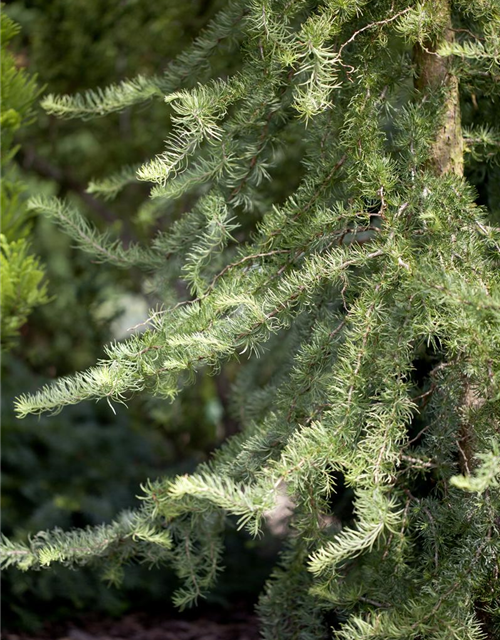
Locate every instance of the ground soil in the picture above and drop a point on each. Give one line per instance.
(240, 625)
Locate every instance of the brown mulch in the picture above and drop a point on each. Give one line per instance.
(141, 626)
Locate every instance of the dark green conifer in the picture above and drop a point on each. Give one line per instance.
(22, 286)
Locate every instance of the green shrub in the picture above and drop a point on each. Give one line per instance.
(22, 286)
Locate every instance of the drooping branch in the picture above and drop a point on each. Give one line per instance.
(31, 161)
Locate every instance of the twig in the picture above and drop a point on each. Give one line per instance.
(370, 26)
(32, 162)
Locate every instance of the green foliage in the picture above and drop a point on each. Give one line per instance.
(19, 91)
(89, 238)
(22, 285)
(483, 143)
(47, 482)
(117, 97)
(97, 43)
(366, 300)
(487, 475)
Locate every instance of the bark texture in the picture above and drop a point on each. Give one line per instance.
(434, 74)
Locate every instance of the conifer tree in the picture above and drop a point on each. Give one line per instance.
(370, 291)
(22, 286)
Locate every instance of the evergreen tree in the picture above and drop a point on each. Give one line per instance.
(22, 286)
(365, 304)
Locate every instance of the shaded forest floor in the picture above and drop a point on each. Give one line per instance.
(237, 624)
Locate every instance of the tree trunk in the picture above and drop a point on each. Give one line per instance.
(434, 74)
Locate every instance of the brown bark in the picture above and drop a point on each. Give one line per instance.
(434, 74)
